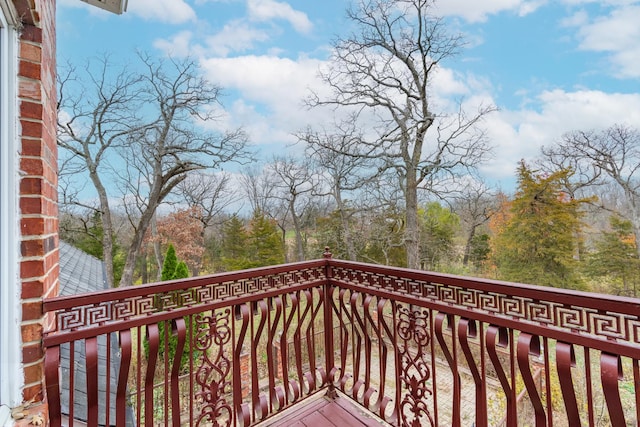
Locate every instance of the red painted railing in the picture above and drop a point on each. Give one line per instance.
(413, 347)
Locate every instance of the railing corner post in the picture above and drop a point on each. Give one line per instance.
(328, 323)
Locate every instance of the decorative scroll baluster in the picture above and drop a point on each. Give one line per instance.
(452, 360)
(52, 377)
(276, 394)
(467, 329)
(311, 375)
(123, 375)
(342, 313)
(212, 335)
(153, 338)
(358, 333)
(530, 345)
(258, 400)
(383, 399)
(611, 373)
(242, 410)
(413, 333)
(297, 340)
(565, 360)
(382, 355)
(499, 337)
(292, 386)
(178, 329)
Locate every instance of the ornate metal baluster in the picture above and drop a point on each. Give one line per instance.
(611, 373)
(467, 329)
(212, 335)
(530, 345)
(565, 360)
(452, 360)
(413, 335)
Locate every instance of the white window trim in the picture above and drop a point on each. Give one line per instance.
(11, 375)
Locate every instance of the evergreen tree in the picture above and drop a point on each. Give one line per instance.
(479, 250)
(172, 269)
(266, 246)
(616, 258)
(235, 250)
(438, 226)
(538, 241)
(170, 263)
(182, 271)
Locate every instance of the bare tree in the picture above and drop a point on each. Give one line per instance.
(340, 175)
(610, 156)
(211, 195)
(94, 118)
(146, 132)
(386, 69)
(259, 187)
(294, 185)
(475, 204)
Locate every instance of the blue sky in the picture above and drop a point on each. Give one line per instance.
(550, 66)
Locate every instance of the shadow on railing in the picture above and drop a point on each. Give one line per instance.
(415, 348)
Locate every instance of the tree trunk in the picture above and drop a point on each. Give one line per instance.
(296, 225)
(107, 228)
(346, 231)
(134, 248)
(467, 246)
(411, 233)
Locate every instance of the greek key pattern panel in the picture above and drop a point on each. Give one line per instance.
(599, 323)
(114, 310)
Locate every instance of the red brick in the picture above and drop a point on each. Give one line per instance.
(32, 226)
(29, 186)
(32, 353)
(31, 205)
(32, 166)
(33, 373)
(30, 248)
(33, 392)
(32, 310)
(32, 289)
(33, 268)
(31, 110)
(31, 33)
(29, 70)
(29, 89)
(31, 332)
(33, 129)
(31, 147)
(30, 51)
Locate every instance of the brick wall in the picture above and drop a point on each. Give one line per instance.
(38, 182)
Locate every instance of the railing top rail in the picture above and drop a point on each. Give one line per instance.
(592, 316)
(590, 300)
(69, 301)
(136, 304)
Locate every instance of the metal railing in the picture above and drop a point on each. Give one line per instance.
(412, 347)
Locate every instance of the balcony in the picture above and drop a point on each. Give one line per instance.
(390, 346)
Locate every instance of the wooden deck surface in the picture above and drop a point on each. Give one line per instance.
(322, 411)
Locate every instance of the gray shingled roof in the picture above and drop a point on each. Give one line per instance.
(82, 273)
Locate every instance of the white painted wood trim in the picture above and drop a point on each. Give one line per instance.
(11, 373)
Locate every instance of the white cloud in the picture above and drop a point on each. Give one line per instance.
(169, 11)
(479, 11)
(267, 10)
(617, 34)
(178, 45)
(235, 36)
(520, 134)
(271, 91)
